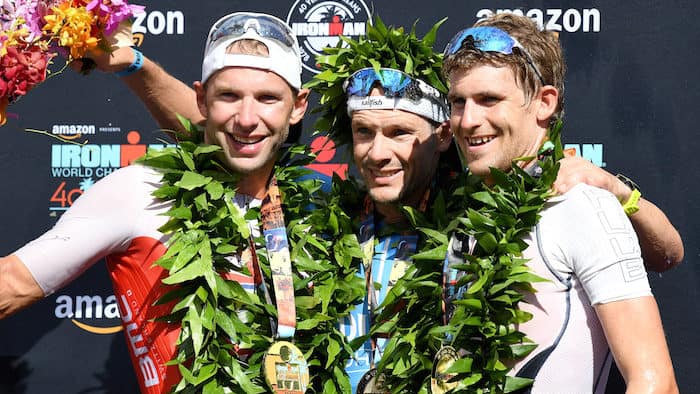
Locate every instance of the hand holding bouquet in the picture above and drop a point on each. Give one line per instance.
(33, 32)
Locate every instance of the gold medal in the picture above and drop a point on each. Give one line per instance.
(285, 368)
(371, 383)
(444, 359)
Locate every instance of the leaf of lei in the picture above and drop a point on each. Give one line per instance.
(217, 316)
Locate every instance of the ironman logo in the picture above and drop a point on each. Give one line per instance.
(318, 24)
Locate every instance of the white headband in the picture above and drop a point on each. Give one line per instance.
(427, 106)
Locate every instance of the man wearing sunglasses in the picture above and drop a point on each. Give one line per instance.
(249, 96)
(506, 87)
(165, 97)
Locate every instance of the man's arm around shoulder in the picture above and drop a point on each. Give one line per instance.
(18, 288)
(662, 246)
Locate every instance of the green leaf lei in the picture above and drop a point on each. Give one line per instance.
(216, 313)
(382, 47)
(496, 275)
(496, 278)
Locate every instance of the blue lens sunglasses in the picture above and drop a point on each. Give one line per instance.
(394, 82)
(489, 39)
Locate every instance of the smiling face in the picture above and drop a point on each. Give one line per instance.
(248, 112)
(492, 119)
(397, 154)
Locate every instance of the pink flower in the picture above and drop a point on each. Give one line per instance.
(30, 11)
(114, 12)
(100, 5)
(34, 17)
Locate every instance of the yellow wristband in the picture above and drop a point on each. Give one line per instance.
(632, 204)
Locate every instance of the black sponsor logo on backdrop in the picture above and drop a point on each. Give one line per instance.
(555, 19)
(318, 24)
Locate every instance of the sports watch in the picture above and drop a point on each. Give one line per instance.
(632, 204)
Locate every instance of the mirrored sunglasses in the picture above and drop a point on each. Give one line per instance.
(395, 83)
(489, 39)
(266, 26)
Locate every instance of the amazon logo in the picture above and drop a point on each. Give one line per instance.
(72, 131)
(157, 23)
(587, 20)
(93, 314)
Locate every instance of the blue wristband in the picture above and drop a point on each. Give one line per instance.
(134, 66)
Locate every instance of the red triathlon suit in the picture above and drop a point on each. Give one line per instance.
(118, 219)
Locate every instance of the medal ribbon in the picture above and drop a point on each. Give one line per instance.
(277, 247)
(450, 276)
(366, 238)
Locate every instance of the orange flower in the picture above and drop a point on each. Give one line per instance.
(72, 26)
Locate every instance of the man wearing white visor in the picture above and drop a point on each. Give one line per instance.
(196, 214)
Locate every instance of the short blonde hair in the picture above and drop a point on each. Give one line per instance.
(248, 47)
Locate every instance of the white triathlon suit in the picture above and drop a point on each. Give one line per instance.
(586, 247)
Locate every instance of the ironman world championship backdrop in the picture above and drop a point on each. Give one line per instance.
(631, 98)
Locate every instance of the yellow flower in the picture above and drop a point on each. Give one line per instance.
(72, 28)
(13, 37)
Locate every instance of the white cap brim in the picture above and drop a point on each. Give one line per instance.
(281, 60)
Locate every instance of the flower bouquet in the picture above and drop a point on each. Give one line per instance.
(33, 32)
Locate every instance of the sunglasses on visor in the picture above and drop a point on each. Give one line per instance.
(489, 39)
(237, 24)
(394, 82)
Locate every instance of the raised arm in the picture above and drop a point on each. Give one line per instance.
(18, 289)
(662, 247)
(163, 95)
(636, 338)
